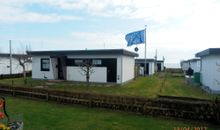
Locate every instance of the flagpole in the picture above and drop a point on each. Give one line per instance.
(145, 60)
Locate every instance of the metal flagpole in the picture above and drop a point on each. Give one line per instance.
(145, 60)
(10, 57)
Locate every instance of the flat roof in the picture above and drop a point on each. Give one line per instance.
(210, 51)
(189, 60)
(148, 60)
(13, 55)
(83, 52)
(143, 60)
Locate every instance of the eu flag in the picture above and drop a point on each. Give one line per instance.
(135, 37)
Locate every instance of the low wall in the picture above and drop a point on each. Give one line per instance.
(187, 108)
(174, 70)
(7, 76)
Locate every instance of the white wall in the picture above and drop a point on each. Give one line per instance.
(16, 68)
(185, 66)
(162, 66)
(195, 65)
(210, 72)
(127, 68)
(151, 68)
(36, 71)
(119, 62)
(76, 74)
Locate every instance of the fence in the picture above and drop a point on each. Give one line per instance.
(173, 70)
(187, 108)
(18, 75)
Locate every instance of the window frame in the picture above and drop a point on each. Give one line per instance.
(96, 61)
(42, 67)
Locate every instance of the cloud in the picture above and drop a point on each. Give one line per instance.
(98, 40)
(178, 29)
(158, 11)
(14, 11)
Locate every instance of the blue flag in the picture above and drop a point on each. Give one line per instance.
(135, 38)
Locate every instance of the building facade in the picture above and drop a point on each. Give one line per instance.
(210, 69)
(16, 68)
(150, 66)
(193, 63)
(159, 65)
(108, 66)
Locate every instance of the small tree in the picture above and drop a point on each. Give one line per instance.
(87, 69)
(23, 59)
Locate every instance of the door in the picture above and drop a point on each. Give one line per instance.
(111, 65)
(158, 67)
(146, 70)
(60, 69)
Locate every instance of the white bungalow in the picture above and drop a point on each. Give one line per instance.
(110, 65)
(193, 63)
(160, 65)
(16, 68)
(210, 69)
(150, 64)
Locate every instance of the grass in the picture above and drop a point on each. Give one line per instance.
(38, 115)
(176, 86)
(143, 86)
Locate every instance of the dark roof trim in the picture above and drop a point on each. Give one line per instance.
(143, 60)
(160, 61)
(83, 52)
(210, 51)
(190, 60)
(148, 60)
(13, 55)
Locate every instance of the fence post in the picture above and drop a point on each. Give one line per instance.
(13, 91)
(47, 96)
(216, 110)
(145, 109)
(90, 103)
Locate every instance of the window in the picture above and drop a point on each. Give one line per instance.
(45, 64)
(78, 62)
(96, 62)
(70, 62)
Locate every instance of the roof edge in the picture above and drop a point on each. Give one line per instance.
(210, 51)
(84, 52)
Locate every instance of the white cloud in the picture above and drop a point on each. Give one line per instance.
(13, 11)
(95, 40)
(159, 11)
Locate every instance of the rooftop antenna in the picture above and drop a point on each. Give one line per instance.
(155, 62)
(10, 57)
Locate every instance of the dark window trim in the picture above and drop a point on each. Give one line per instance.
(41, 63)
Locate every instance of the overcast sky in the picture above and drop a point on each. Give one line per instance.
(176, 28)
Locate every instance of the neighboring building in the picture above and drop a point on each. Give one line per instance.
(193, 63)
(5, 64)
(160, 65)
(184, 65)
(150, 64)
(110, 65)
(210, 69)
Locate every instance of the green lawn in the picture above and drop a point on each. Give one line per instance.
(176, 86)
(143, 86)
(38, 115)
